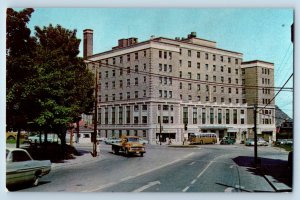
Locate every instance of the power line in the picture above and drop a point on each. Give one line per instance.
(277, 92)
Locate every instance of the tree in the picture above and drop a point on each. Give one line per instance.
(20, 47)
(64, 87)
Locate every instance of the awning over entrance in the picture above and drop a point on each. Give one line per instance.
(212, 127)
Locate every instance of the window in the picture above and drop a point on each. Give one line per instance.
(121, 72)
(236, 61)
(222, 68)
(128, 57)
(136, 81)
(198, 98)
(160, 54)
(189, 53)
(106, 74)
(106, 115)
(180, 51)
(170, 80)
(242, 121)
(165, 119)
(145, 67)
(227, 116)
(128, 70)
(190, 97)
(113, 115)
(170, 68)
(222, 89)
(136, 55)
(170, 94)
(189, 64)
(180, 85)
(145, 79)
(214, 57)
(128, 114)
(136, 120)
(165, 107)
(215, 99)
(113, 97)
(189, 86)
(106, 97)
(113, 72)
(214, 78)
(160, 67)
(136, 108)
(229, 100)
(121, 59)
(160, 93)
(180, 96)
(144, 93)
(222, 99)
(165, 80)
(243, 81)
(185, 115)
(198, 87)
(128, 82)
(165, 67)
(222, 59)
(229, 80)
(207, 88)
(206, 77)
(237, 101)
(206, 56)
(144, 107)
(236, 71)
(136, 68)
(145, 53)
(136, 94)
(171, 107)
(198, 76)
(236, 81)
(144, 119)
(203, 116)
(214, 68)
(198, 65)
(229, 70)
(106, 85)
(165, 55)
(229, 60)
(194, 115)
(219, 116)
(20, 156)
(198, 54)
(214, 88)
(234, 116)
(222, 79)
(128, 95)
(243, 71)
(121, 96)
(120, 115)
(180, 74)
(180, 63)
(211, 119)
(206, 66)
(170, 55)
(207, 98)
(165, 94)
(189, 75)
(236, 90)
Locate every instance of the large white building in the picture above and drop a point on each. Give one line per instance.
(172, 82)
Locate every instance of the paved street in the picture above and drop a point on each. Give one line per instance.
(206, 168)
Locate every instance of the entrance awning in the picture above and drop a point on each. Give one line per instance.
(212, 127)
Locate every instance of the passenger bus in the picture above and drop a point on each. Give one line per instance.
(203, 138)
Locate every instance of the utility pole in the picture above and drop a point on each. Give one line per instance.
(160, 130)
(255, 136)
(94, 137)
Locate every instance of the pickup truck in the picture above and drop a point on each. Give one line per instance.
(129, 145)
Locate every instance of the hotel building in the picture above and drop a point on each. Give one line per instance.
(169, 88)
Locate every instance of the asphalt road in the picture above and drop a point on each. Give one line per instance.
(209, 168)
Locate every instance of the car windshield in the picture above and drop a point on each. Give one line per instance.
(132, 139)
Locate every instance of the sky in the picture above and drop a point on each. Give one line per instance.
(260, 34)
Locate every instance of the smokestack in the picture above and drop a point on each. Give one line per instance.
(87, 43)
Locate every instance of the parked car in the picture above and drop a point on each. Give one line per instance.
(227, 140)
(249, 142)
(143, 141)
(102, 139)
(262, 142)
(21, 168)
(112, 140)
(35, 138)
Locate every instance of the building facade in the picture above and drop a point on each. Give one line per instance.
(165, 88)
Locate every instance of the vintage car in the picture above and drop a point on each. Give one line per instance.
(21, 168)
(227, 140)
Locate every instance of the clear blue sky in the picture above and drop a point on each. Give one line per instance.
(262, 34)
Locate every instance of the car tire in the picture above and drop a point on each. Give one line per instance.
(36, 180)
(142, 154)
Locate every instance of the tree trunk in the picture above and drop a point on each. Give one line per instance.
(18, 138)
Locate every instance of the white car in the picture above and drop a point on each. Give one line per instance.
(21, 168)
(143, 141)
(112, 140)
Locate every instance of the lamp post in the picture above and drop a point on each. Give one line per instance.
(94, 136)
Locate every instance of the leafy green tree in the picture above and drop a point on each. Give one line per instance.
(20, 47)
(64, 84)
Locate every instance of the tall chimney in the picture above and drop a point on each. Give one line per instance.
(87, 43)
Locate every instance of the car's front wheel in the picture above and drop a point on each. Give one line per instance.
(36, 180)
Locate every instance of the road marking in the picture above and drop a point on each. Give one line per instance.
(192, 163)
(139, 174)
(193, 181)
(200, 174)
(147, 186)
(185, 189)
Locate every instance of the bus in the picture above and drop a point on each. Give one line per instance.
(203, 138)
